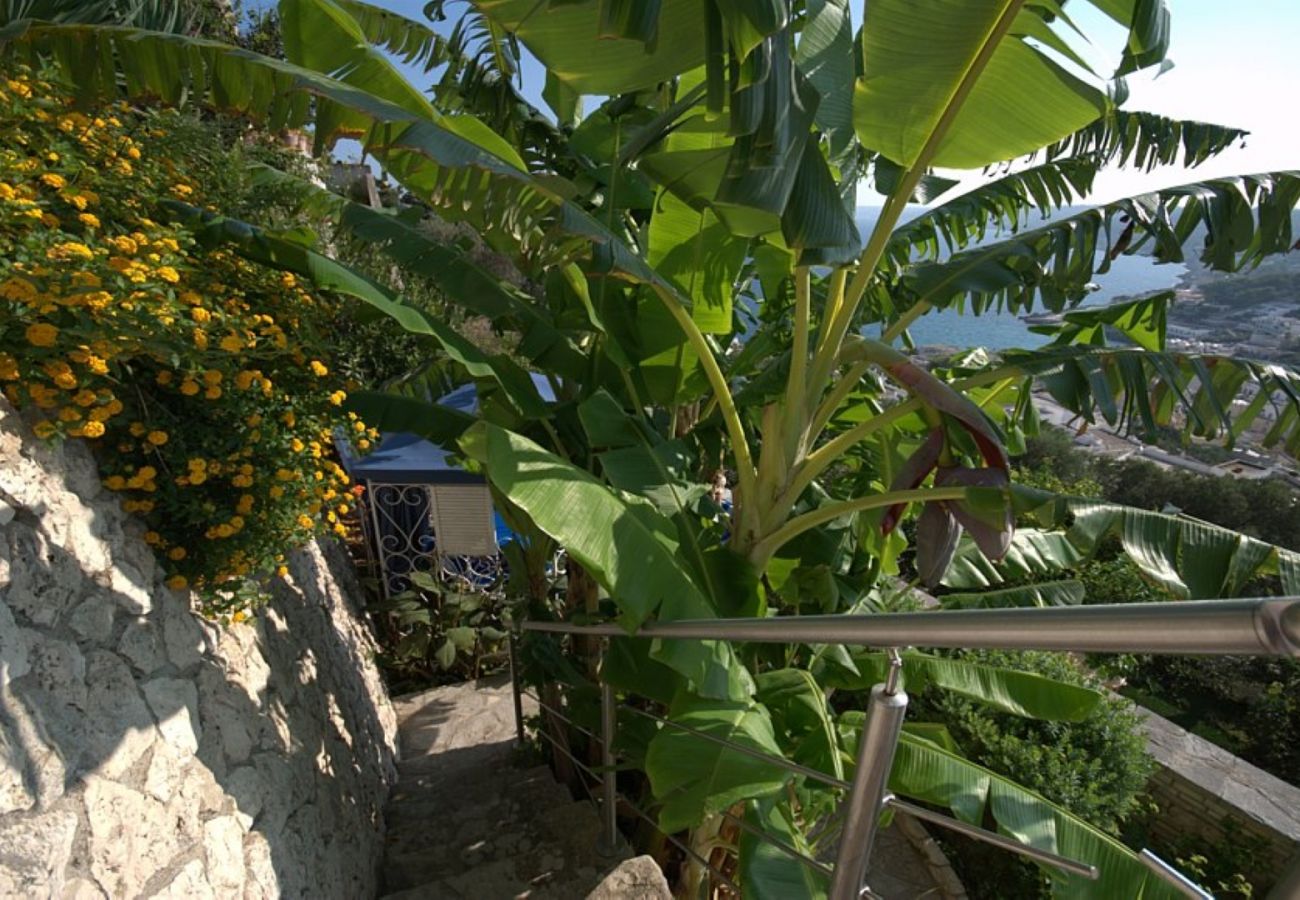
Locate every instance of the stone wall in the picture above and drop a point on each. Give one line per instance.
(1199, 786)
(147, 753)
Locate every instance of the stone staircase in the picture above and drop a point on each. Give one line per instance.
(470, 819)
(466, 820)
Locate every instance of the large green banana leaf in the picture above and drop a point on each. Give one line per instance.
(958, 85)
(462, 281)
(1009, 690)
(925, 771)
(322, 36)
(1066, 592)
(767, 872)
(567, 38)
(414, 42)
(623, 542)
(693, 777)
(1140, 390)
(635, 459)
(1189, 558)
(801, 718)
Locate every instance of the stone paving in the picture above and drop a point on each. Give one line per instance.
(466, 820)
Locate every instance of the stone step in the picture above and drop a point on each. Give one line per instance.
(469, 819)
(638, 878)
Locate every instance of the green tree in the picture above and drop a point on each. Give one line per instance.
(694, 284)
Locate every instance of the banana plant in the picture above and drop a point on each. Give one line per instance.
(686, 269)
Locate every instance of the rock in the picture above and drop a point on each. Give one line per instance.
(190, 883)
(223, 847)
(129, 587)
(142, 646)
(638, 878)
(93, 618)
(225, 718)
(43, 580)
(244, 786)
(175, 705)
(181, 634)
(81, 889)
(261, 881)
(15, 660)
(119, 727)
(131, 836)
(34, 852)
(32, 772)
(59, 670)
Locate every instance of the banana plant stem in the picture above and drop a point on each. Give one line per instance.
(918, 309)
(795, 419)
(745, 472)
(821, 458)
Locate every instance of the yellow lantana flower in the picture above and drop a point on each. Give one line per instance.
(42, 334)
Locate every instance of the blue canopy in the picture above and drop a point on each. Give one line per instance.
(407, 459)
(403, 458)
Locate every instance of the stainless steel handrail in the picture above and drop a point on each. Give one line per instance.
(1268, 626)
(1174, 878)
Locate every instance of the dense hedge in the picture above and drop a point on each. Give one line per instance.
(202, 381)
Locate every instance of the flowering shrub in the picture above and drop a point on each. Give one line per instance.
(202, 380)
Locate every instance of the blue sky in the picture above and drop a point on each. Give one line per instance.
(1234, 64)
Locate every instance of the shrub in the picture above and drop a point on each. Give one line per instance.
(201, 380)
(1095, 768)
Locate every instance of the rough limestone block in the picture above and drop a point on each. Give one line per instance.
(132, 837)
(141, 645)
(175, 705)
(34, 851)
(15, 658)
(190, 883)
(44, 581)
(119, 727)
(93, 618)
(223, 847)
(244, 786)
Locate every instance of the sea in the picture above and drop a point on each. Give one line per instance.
(1129, 276)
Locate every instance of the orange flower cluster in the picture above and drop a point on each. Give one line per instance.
(196, 374)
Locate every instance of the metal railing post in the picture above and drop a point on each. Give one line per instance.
(609, 783)
(866, 799)
(516, 689)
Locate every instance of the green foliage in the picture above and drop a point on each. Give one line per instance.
(1249, 706)
(1267, 509)
(432, 634)
(1226, 868)
(197, 375)
(1096, 767)
(712, 137)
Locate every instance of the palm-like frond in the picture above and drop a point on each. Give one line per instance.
(1189, 558)
(1121, 139)
(1240, 221)
(450, 162)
